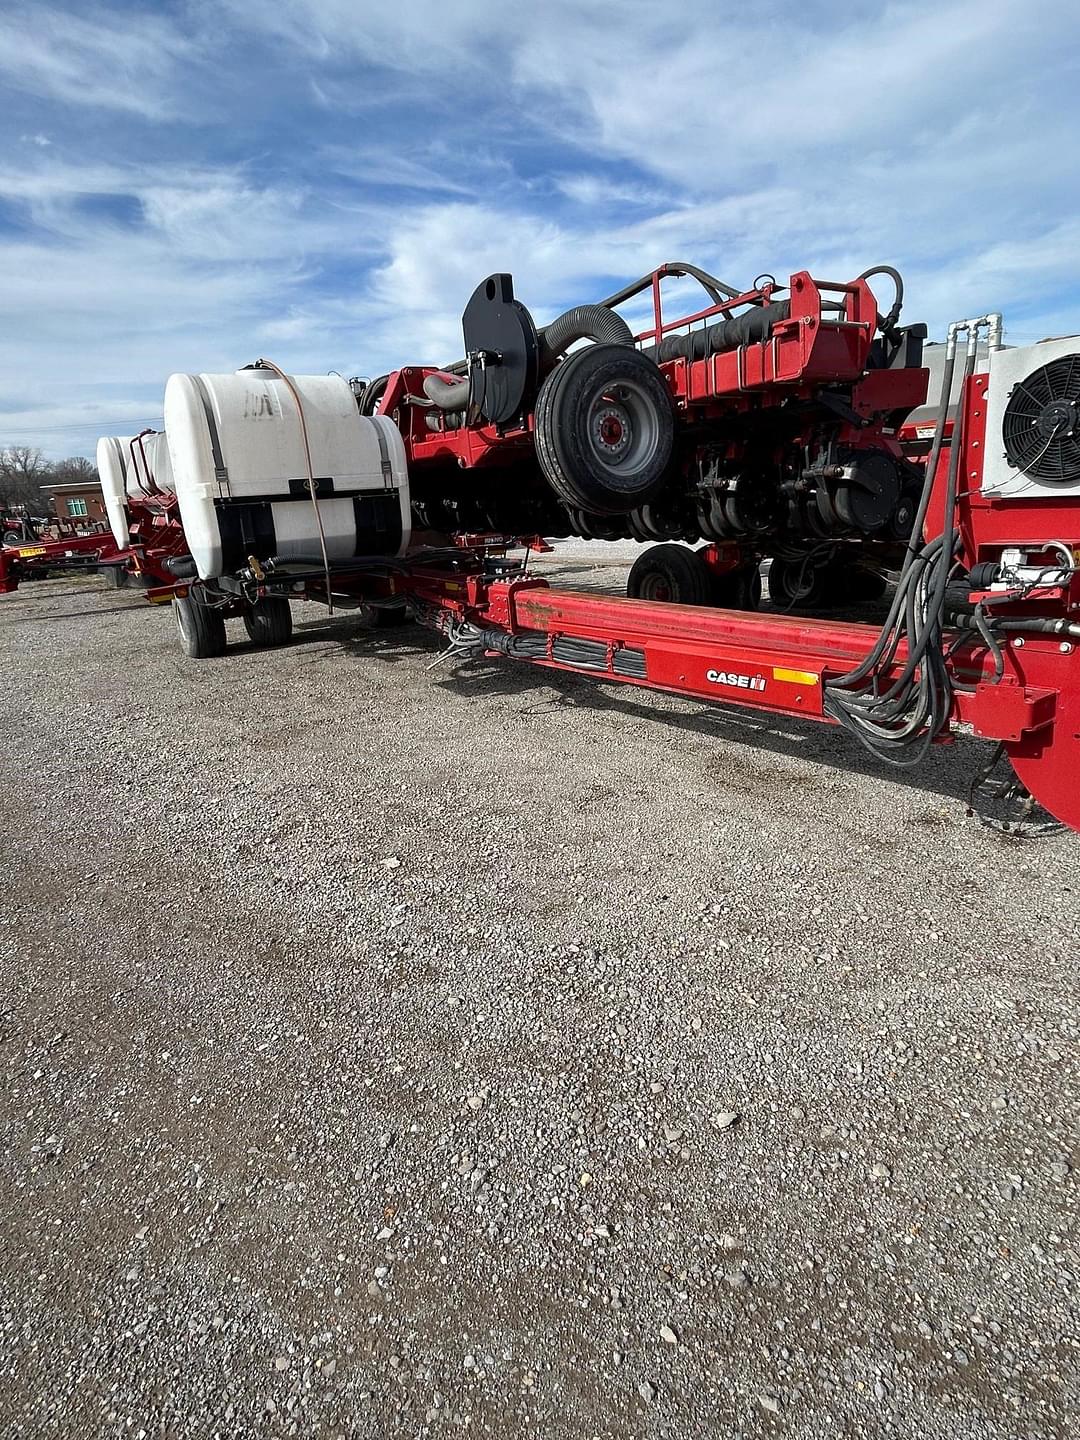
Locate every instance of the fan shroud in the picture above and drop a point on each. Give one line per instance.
(1032, 399)
(1040, 428)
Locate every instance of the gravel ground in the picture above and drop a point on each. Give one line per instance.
(389, 1051)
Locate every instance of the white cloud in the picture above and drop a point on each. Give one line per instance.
(592, 191)
(915, 133)
(98, 312)
(573, 145)
(425, 37)
(106, 59)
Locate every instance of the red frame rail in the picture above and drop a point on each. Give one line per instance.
(780, 664)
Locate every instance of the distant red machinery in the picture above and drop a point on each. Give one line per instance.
(145, 531)
(37, 559)
(144, 560)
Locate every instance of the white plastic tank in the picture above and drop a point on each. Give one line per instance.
(112, 460)
(132, 467)
(241, 472)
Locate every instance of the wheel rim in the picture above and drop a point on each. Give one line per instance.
(655, 587)
(623, 430)
(797, 582)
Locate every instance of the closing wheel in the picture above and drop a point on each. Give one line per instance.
(605, 426)
(201, 627)
(673, 574)
(269, 621)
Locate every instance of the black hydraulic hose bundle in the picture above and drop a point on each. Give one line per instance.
(898, 717)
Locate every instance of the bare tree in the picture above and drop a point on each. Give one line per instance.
(23, 471)
(76, 470)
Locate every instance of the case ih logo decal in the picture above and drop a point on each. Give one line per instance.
(738, 682)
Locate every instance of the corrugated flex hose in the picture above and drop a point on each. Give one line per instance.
(312, 489)
(583, 322)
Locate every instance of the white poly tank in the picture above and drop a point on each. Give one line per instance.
(241, 473)
(132, 467)
(112, 462)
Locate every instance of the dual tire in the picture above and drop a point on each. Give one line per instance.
(201, 624)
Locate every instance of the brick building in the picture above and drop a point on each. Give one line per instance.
(78, 504)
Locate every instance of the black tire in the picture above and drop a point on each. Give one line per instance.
(738, 589)
(605, 427)
(201, 628)
(795, 585)
(269, 621)
(672, 574)
(116, 577)
(381, 617)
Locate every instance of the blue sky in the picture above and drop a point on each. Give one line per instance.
(190, 185)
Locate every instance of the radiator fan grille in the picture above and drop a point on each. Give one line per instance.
(1041, 425)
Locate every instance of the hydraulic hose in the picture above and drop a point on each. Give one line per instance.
(729, 334)
(914, 544)
(1040, 625)
(150, 489)
(716, 289)
(583, 322)
(886, 322)
(371, 394)
(934, 601)
(898, 723)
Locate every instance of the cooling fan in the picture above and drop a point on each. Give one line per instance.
(1034, 406)
(1041, 425)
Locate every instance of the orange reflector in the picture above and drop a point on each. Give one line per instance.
(165, 595)
(795, 677)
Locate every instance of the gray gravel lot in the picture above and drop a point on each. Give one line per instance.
(389, 1051)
